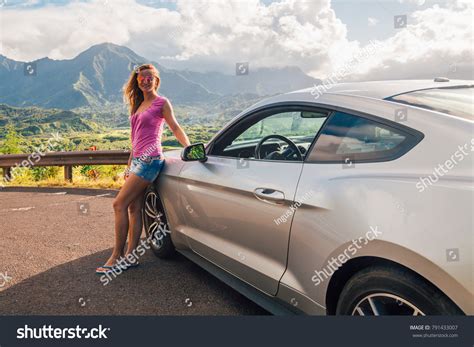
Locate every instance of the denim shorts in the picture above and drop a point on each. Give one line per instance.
(147, 168)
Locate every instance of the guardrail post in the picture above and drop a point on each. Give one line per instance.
(7, 173)
(68, 173)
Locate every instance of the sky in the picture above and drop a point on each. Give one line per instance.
(368, 40)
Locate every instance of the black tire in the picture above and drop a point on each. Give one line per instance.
(154, 216)
(402, 292)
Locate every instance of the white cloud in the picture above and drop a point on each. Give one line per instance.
(436, 42)
(213, 35)
(416, 2)
(209, 33)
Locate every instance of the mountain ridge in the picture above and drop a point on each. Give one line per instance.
(95, 78)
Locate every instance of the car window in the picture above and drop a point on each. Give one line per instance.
(298, 126)
(456, 101)
(285, 123)
(361, 139)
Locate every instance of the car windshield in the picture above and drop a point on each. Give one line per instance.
(455, 101)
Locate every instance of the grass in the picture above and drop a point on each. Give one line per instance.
(89, 176)
(77, 183)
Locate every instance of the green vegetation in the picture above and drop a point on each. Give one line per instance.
(25, 130)
(35, 121)
(96, 176)
(12, 141)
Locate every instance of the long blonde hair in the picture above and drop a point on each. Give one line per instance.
(132, 94)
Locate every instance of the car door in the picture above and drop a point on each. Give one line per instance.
(238, 208)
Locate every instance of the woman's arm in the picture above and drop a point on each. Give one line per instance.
(170, 119)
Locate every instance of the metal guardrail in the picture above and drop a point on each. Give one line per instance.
(66, 159)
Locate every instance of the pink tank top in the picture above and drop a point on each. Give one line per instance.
(147, 128)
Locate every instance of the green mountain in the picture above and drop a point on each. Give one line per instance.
(96, 76)
(30, 121)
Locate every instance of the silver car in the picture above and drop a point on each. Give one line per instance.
(348, 199)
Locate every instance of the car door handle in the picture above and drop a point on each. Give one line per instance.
(269, 195)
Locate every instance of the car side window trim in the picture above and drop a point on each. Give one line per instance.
(415, 135)
(272, 107)
(259, 160)
(260, 113)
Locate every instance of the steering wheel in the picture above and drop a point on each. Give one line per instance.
(292, 148)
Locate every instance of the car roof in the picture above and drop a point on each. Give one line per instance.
(354, 95)
(382, 89)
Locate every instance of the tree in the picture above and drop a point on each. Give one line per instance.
(11, 144)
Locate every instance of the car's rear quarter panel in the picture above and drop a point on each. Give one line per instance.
(417, 227)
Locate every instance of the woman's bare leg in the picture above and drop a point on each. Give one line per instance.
(133, 187)
(136, 223)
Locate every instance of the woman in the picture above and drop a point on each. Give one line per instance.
(148, 112)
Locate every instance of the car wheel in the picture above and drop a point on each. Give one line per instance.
(383, 290)
(156, 226)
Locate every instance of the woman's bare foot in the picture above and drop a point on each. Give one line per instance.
(113, 259)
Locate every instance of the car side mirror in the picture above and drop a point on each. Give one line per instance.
(195, 152)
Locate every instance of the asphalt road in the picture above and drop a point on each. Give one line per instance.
(51, 241)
